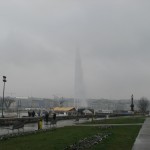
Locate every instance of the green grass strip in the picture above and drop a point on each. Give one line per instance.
(121, 120)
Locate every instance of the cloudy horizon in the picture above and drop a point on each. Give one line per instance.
(39, 39)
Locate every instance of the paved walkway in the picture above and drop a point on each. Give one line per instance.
(142, 141)
(34, 126)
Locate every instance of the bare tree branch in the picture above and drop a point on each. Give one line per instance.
(143, 104)
(8, 101)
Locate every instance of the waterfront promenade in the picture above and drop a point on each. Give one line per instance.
(34, 126)
(142, 141)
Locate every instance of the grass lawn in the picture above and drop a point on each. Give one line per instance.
(121, 120)
(122, 138)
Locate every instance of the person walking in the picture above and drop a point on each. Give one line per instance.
(33, 113)
(54, 116)
(46, 117)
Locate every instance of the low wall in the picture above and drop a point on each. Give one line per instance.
(10, 121)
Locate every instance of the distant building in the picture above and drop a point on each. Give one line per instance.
(85, 111)
(64, 111)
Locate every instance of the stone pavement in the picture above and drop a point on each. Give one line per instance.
(142, 141)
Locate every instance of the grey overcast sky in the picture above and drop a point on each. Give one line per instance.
(38, 39)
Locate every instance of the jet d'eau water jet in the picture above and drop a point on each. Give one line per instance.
(79, 86)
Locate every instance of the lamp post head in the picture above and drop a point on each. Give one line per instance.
(4, 78)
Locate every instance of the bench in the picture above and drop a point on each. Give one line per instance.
(16, 126)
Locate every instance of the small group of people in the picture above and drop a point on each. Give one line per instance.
(46, 117)
(31, 114)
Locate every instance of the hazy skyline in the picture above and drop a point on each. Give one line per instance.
(39, 38)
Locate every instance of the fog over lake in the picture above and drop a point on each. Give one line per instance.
(39, 39)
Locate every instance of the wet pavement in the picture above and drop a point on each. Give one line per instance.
(34, 126)
(142, 141)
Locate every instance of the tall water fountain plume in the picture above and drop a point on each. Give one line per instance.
(79, 86)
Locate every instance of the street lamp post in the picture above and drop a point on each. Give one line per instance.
(132, 105)
(4, 80)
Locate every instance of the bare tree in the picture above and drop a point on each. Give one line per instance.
(8, 101)
(143, 104)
